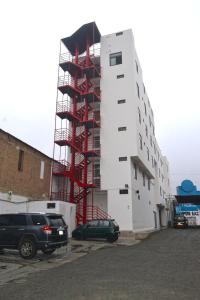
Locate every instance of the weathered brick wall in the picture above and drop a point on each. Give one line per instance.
(26, 182)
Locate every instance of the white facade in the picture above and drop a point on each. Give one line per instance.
(134, 174)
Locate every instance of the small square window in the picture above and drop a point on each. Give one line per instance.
(120, 76)
(116, 59)
(123, 158)
(122, 128)
(124, 191)
(119, 33)
(121, 101)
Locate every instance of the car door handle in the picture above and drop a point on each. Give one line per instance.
(21, 229)
(2, 229)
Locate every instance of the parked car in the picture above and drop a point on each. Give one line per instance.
(180, 222)
(29, 232)
(101, 228)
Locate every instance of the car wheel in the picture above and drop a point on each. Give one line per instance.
(48, 251)
(27, 249)
(112, 239)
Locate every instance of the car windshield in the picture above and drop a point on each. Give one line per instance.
(56, 221)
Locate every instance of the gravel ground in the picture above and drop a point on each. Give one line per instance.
(165, 266)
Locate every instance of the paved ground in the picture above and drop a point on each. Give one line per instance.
(165, 266)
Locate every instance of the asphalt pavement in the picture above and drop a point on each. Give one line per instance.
(164, 266)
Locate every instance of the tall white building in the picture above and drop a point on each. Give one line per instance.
(118, 149)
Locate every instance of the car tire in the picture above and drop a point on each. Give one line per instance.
(48, 251)
(27, 248)
(112, 239)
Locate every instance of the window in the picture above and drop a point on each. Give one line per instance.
(119, 33)
(51, 205)
(146, 130)
(151, 143)
(145, 108)
(38, 220)
(115, 58)
(124, 191)
(140, 141)
(17, 220)
(121, 101)
(149, 184)
(136, 66)
(150, 121)
(21, 160)
(147, 153)
(144, 88)
(96, 170)
(94, 223)
(42, 169)
(135, 171)
(139, 115)
(104, 223)
(120, 76)
(97, 141)
(138, 90)
(56, 221)
(143, 178)
(122, 128)
(123, 158)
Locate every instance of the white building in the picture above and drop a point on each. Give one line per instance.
(134, 176)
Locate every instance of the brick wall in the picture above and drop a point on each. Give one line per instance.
(25, 182)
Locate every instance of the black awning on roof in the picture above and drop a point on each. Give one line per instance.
(86, 32)
(194, 199)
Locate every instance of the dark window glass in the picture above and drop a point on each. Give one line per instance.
(120, 76)
(51, 205)
(21, 160)
(56, 221)
(115, 58)
(122, 128)
(138, 90)
(135, 170)
(123, 158)
(119, 33)
(121, 101)
(136, 66)
(104, 223)
(4, 220)
(124, 191)
(38, 220)
(94, 223)
(143, 177)
(18, 220)
(149, 184)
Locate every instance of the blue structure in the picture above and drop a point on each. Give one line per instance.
(187, 188)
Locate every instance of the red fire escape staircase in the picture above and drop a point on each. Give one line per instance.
(79, 111)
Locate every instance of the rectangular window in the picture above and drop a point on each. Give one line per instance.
(123, 158)
(124, 191)
(149, 184)
(21, 160)
(51, 205)
(42, 164)
(140, 141)
(122, 128)
(115, 58)
(119, 33)
(97, 170)
(120, 76)
(121, 101)
(138, 90)
(136, 65)
(97, 141)
(135, 170)
(143, 177)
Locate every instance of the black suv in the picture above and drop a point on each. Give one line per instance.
(99, 228)
(29, 232)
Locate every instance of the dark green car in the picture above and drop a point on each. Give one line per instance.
(101, 228)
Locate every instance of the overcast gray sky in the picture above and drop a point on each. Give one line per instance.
(167, 38)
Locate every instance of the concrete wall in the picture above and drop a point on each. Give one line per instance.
(68, 210)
